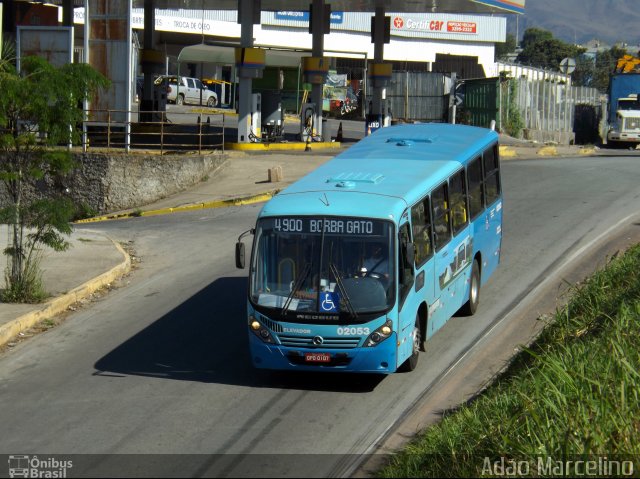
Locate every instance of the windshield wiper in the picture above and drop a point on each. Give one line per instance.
(347, 301)
(297, 285)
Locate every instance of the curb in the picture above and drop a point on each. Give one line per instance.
(293, 146)
(10, 330)
(547, 151)
(245, 200)
(586, 151)
(507, 151)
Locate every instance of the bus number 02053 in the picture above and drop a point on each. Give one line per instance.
(353, 331)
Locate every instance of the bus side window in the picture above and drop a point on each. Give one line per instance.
(491, 174)
(476, 194)
(421, 228)
(457, 190)
(441, 226)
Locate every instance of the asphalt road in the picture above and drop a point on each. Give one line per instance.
(160, 366)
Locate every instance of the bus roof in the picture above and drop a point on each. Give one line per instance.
(383, 173)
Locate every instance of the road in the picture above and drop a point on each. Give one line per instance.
(160, 365)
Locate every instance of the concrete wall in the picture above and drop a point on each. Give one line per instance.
(105, 183)
(545, 136)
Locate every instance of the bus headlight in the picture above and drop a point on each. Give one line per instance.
(260, 330)
(379, 335)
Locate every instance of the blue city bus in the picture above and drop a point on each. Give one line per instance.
(357, 264)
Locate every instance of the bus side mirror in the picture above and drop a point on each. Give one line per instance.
(240, 248)
(240, 255)
(410, 253)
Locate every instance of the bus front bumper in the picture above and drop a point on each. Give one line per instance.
(380, 359)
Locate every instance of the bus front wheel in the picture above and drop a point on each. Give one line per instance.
(471, 306)
(411, 363)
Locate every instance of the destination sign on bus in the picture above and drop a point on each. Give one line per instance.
(342, 226)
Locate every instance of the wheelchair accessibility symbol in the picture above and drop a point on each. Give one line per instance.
(329, 302)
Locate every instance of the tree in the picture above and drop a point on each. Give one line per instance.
(596, 71)
(533, 36)
(540, 49)
(506, 47)
(39, 111)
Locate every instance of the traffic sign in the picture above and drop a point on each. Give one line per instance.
(567, 65)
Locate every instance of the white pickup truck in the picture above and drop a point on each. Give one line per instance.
(182, 90)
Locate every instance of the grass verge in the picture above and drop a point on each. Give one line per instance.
(573, 396)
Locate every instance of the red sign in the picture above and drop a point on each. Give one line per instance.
(461, 27)
(428, 25)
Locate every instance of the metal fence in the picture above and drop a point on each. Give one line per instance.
(153, 130)
(550, 106)
(418, 96)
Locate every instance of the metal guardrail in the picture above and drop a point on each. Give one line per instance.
(153, 130)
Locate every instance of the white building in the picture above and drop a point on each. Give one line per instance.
(434, 40)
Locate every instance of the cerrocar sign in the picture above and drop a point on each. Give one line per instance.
(427, 25)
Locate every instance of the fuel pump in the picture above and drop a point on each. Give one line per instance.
(255, 134)
(308, 130)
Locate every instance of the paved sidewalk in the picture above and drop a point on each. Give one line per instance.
(94, 260)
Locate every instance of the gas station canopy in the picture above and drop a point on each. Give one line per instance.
(225, 55)
(406, 6)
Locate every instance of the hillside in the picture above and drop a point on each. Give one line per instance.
(579, 21)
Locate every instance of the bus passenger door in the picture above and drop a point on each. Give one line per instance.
(462, 243)
(408, 300)
(425, 289)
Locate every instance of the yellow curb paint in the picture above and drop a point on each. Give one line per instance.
(297, 146)
(96, 219)
(547, 151)
(241, 201)
(10, 330)
(247, 200)
(212, 111)
(586, 151)
(507, 152)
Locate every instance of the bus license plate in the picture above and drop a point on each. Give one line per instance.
(317, 357)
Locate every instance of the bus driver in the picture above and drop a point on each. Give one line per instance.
(377, 263)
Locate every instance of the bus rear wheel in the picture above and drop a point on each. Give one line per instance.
(471, 306)
(411, 363)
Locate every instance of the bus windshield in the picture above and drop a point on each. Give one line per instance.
(323, 268)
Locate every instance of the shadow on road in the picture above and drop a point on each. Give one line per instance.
(205, 340)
